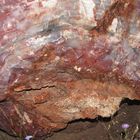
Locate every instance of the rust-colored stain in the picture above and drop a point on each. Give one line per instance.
(60, 62)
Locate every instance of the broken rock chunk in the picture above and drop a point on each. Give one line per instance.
(66, 60)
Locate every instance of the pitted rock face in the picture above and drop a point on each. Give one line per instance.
(66, 60)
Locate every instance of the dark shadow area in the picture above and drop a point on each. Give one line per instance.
(5, 136)
(97, 119)
(129, 102)
(84, 120)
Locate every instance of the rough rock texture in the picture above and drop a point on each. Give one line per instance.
(65, 60)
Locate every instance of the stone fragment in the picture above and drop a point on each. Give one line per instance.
(66, 60)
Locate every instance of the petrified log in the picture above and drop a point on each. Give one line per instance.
(62, 60)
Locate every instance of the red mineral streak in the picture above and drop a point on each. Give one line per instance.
(66, 60)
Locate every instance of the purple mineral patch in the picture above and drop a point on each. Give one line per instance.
(125, 125)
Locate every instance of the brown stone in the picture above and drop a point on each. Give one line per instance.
(66, 60)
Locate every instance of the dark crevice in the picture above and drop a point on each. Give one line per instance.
(83, 120)
(129, 102)
(34, 89)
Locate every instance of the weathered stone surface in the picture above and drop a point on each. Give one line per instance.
(66, 60)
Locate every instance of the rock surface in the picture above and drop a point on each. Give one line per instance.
(66, 60)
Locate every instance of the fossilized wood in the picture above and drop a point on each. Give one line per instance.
(66, 60)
